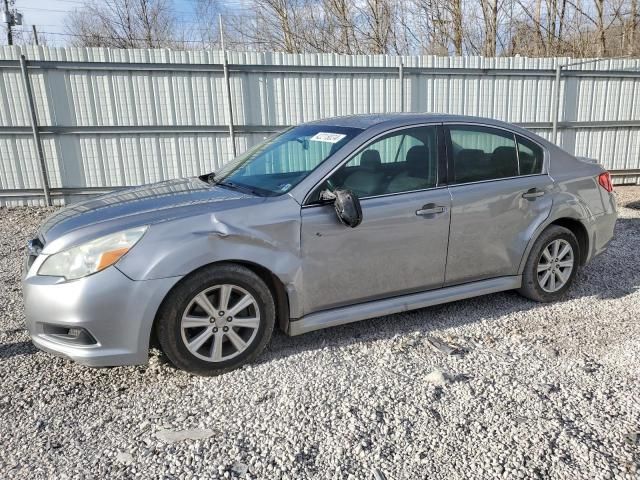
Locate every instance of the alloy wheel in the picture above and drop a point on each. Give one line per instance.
(555, 265)
(220, 322)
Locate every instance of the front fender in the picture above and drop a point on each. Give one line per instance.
(268, 236)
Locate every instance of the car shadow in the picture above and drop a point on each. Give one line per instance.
(16, 349)
(424, 321)
(615, 273)
(622, 257)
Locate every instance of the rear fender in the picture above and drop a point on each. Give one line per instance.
(565, 205)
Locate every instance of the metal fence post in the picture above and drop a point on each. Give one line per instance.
(556, 105)
(225, 68)
(44, 177)
(401, 80)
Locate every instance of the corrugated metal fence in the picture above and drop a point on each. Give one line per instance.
(110, 118)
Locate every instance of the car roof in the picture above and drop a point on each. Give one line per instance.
(391, 120)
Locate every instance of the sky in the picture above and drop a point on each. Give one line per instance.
(49, 15)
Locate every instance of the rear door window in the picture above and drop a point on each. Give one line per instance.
(482, 153)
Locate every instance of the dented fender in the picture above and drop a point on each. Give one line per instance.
(240, 234)
(565, 205)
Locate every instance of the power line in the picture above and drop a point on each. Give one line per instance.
(83, 5)
(179, 12)
(45, 10)
(237, 4)
(77, 2)
(42, 24)
(107, 37)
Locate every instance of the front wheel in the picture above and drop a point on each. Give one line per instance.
(216, 320)
(551, 266)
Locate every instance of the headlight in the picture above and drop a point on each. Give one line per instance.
(91, 257)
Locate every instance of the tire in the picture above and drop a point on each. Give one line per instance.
(545, 285)
(199, 334)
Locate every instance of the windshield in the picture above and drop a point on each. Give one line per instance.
(278, 164)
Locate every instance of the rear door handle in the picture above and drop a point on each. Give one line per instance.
(430, 209)
(533, 193)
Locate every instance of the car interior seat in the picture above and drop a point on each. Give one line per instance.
(365, 180)
(416, 174)
(504, 162)
(468, 164)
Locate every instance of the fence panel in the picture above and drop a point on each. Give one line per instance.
(111, 118)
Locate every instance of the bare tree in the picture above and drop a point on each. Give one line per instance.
(376, 30)
(207, 28)
(437, 26)
(122, 24)
(332, 26)
(633, 26)
(490, 22)
(486, 27)
(456, 23)
(275, 25)
(602, 46)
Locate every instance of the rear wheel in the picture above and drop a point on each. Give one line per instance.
(551, 266)
(216, 320)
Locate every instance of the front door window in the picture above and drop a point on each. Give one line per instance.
(401, 161)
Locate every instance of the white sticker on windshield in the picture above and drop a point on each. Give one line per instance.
(327, 137)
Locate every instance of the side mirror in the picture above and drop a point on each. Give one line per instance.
(346, 204)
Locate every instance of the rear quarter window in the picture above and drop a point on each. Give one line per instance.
(530, 155)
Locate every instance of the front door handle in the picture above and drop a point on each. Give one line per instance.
(430, 209)
(533, 193)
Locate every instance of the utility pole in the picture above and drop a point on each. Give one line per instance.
(8, 18)
(35, 34)
(11, 19)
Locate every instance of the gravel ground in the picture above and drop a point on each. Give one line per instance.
(530, 391)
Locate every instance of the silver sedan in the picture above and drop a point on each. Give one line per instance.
(327, 223)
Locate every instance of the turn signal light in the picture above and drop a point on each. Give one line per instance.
(604, 179)
(111, 257)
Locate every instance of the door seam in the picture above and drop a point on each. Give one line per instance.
(446, 258)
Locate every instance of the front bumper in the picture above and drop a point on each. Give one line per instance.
(114, 310)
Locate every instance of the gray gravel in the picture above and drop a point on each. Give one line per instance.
(524, 391)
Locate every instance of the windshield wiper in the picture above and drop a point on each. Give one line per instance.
(236, 186)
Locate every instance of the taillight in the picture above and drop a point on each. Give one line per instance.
(604, 179)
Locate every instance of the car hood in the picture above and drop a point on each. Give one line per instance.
(143, 205)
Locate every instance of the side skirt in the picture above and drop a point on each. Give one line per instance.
(387, 306)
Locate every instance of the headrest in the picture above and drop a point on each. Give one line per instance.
(370, 159)
(469, 155)
(506, 161)
(417, 157)
(505, 153)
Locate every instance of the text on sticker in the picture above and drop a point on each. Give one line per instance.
(327, 137)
